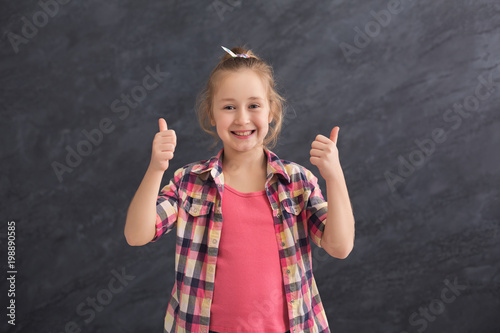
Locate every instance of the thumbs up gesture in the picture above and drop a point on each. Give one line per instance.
(164, 144)
(325, 156)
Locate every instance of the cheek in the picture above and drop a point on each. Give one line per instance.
(264, 127)
(221, 125)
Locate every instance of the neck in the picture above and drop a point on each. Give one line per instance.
(234, 160)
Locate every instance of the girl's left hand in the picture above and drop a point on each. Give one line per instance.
(325, 155)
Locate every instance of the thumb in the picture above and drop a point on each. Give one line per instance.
(335, 134)
(163, 124)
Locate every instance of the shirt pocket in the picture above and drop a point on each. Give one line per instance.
(294, 205)
(196, 207)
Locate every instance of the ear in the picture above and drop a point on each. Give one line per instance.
(211, 117)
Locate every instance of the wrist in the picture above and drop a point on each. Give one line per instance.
(337, 181)
(154, 171)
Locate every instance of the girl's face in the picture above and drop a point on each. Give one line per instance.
(241, 110)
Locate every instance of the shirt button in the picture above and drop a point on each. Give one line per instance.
(292, 300)
(288, 271)
(214, 241)
(282, 243)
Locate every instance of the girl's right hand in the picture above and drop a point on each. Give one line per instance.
(163, 147)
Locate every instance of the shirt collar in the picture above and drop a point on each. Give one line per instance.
(213, 167)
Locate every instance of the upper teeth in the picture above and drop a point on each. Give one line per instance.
(243, 133)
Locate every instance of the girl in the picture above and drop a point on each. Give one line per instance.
(243, 258)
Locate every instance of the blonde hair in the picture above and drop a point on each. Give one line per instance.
(204, 101)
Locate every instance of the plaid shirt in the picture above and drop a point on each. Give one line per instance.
(192, 202)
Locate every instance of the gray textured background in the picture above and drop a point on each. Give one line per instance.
(438, 223)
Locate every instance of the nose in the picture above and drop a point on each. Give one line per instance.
(242, 117)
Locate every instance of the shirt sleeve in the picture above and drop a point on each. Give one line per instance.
(167, 206)
(316, 210)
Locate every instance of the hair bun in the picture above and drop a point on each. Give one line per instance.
(240, 50)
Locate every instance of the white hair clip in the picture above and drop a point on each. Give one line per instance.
(241, 55)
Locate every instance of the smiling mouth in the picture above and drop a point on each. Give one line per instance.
(245, 133)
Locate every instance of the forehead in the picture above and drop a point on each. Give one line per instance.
(244, 83)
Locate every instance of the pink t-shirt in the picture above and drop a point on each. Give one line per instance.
(249, 294)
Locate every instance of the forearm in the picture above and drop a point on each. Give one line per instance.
(338, 235)
(141, 215)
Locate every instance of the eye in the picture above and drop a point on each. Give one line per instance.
(229, 106)
(253, 106)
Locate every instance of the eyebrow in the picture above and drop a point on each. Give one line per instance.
(232, 99)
